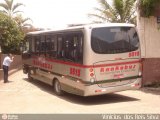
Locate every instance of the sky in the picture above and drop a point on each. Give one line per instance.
(57, 13)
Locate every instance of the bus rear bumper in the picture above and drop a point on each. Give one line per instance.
(94, 90)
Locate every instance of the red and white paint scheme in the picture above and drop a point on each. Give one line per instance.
(85, 60)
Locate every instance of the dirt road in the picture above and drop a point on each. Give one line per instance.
(22, 96)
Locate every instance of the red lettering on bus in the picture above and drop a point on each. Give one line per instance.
(107, 69)
(112, 69)
(102, 70)
(41, 64)
(134, 54)
(117, 68)
(121, 68)
(130, 67)
(75, 72)
(126, 67)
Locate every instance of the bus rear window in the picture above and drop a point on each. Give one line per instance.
(112, 40)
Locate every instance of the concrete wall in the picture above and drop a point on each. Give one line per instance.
(149, 37)
(151, 71)
(150, 48)
(16, 62)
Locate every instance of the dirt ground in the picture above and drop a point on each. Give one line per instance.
(22, 96)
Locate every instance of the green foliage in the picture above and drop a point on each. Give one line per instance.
(11, 26)
(9, 8)
(122, 11)
(23, 23)
(11, 35)
(147, 7)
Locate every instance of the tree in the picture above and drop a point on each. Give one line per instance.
(122, 11)
(12, 11)
(23, 22)
(148, 7)
(11, 35)
(10, 8)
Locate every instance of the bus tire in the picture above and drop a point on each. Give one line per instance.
(29, 76)
(57, 87)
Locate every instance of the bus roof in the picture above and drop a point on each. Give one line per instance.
(82, 27)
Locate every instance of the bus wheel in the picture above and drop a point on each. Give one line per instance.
(57, 87)
(29, 76)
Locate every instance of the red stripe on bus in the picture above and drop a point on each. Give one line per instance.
(90, 66)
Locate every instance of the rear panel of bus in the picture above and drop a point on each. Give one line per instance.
(113, 59)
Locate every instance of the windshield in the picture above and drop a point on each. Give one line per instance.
(112, 40)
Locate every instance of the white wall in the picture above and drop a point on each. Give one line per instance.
(149, 37)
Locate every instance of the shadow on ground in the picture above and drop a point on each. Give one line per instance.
(151, 90)
(91, 100)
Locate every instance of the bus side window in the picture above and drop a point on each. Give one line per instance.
(53, 46)
(27, 47)
(77, 48)
(48, 45)
(60, 52)
(73, 47)
(37, 45)
(51, 49)
(32, 45)
(74, 51)
(68, 46)
(42, 46)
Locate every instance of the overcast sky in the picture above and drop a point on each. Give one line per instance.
(57, 13)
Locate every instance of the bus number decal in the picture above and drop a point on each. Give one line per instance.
(75, 72)
(133, 54)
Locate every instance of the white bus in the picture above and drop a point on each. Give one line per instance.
(85, 60)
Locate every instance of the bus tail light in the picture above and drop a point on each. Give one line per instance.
(100, 90)
(92, 74)
(136, 85)
(97, 91)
